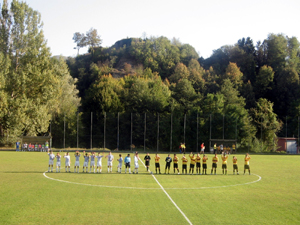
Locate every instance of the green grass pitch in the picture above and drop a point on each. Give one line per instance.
(29, 197)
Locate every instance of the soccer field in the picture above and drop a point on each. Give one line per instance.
(270, 195)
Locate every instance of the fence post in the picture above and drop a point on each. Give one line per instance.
(118, 132)
(130, 131)
(64, 131)
(91, 144)
(145, 128)
(77, 129)
(157, 131)
(104, 130)
(197, 134)
(171, 132)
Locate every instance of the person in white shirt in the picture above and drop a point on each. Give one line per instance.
(57, 162)
(136, 163)
(86, 161)
(67, 162)
(110, 159)
(99, 162)
(51, 158)
(92, 163)
(77, 163)
(120, 163)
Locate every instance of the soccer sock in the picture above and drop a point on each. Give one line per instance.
(129, 170)
(138, 171)
(108, 169)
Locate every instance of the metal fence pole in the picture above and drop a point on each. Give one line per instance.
(118, 132)
(131, 132)
(171, 132)
(223, 127)
(104, 129)
(184, 125)
(209, 132)
(64, 131)
(91, 144)
(145, 129)
(197, 134)
(157, 131)
(77, 129)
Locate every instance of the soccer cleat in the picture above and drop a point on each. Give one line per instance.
(133, 172)
(237, 173)
(178, 173)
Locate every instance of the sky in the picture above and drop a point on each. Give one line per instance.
(204, 24)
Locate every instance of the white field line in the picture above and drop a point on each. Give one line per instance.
(105, 186)
(187, 219)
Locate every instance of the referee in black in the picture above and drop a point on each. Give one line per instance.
(147, 161)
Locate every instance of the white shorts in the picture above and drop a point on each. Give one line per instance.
(58, 164)
(109, 163)
(92, 163)
(99, 164)
(76, 163)
(120, 165)
(51, 162)
(68, 164)
(85, 164)
(136, 165)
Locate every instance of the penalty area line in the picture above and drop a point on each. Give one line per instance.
(182, 213)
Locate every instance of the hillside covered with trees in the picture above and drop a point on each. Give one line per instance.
(254, 86)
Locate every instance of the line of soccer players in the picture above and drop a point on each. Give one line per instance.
(195, 162)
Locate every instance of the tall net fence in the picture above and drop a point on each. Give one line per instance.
(151, 131)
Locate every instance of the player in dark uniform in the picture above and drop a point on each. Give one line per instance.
(168, 164)
(147, 159)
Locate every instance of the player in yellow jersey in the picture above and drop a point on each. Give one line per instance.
(247, 165)
(235, 166)
(198, 164)
(157, 166)
(204, 164)
(224, 163)
(215, 160)
(192, 163)
(233, 148)
(184, 164)
(175, 163)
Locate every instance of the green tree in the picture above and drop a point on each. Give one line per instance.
(93, 39)
(234, 74)
(264, 80)
(265, 121)
(180, 72)
(80, 39)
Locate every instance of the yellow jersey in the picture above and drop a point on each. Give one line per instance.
(198, 159)
(224, 159)
(175, 160)
(233, 147)
(215, 159)
(234, 161)
(247, 158)
(204, 159)
(193, 159)
(184, 161)
(157, 158)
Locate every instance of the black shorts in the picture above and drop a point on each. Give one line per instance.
(184, 167)
(204, 166)
(214, 165)
(127, 165)
(157, 165)
(247, 167)
(224, 166)
(192, 166)
(175, 165)
(235, 167)
(198, 165)
(147, 163)
(168, 165)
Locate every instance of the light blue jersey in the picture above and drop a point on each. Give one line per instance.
(86, 159)
(51, 156)
(77, 158)
(92, 158)
(127, 159)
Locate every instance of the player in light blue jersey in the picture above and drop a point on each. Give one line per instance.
(127, 162)
(110, 159)
(67, 162)
(92, 163)
(86, 161)
(120, 163)
(99, 162)
(77, 163)
(51, 158)
(57, 162)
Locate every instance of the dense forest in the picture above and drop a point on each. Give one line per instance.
(254, 86)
